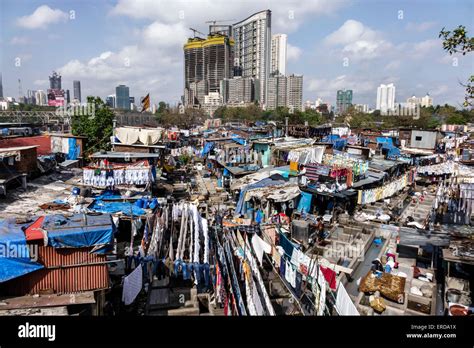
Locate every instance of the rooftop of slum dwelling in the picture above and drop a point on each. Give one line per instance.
(383, 165)
(66, 135)
(292, 143)
(140, 145)
(238, 170)
(111, 154)
(415, 151)
(18, 148)
(371, 178)
(77, 231)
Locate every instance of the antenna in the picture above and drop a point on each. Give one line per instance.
(20, 90)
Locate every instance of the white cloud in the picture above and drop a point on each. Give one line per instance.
(149, 66)
(420, 27)
(293, 53)
(41, 82)
(358, 41)
(42, 17)
(327, 88)
(287, 15)
(393, 65)
(20, 40)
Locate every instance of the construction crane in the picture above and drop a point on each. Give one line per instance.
(220, 21)
(196, 31)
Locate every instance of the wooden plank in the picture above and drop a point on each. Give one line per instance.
(47, 300)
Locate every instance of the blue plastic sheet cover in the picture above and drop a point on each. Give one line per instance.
(111, 207)
(207, 148)
(74, 149)
(305, 202)
(15, 257)
(80, 231)
(238, 139)
(262, 183)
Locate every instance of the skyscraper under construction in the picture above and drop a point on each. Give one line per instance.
(206, 63)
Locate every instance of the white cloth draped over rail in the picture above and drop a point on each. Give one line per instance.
(307, 155)
(149, 136)
(130, 136)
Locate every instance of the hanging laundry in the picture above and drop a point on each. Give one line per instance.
(132, 285)
(344, 304)
(260, 246)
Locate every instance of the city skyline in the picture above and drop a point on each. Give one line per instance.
(335, 45)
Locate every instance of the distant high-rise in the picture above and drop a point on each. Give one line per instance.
(31, 97)
(238, 90)
(41, 98)
(278, 54)
(425, 101)
(110, 101)
(294, 92)
(277, 92)
(1, 87)
(385, 98)
(252, 50)
(206, 63)
(343, 100)
(122, 99)
(55, 81)
(77, 90)
(285, 91)
(68, 97)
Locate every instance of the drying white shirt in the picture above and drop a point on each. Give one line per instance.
(132, 285)
(260, 246)
(290, 274)
(344, 304)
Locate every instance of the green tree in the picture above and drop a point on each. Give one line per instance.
(97, 127)
(457, 41)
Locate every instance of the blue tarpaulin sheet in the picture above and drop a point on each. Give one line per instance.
(305, 202)
(207, 148)
(262, 183)
(15, 257)
(79, 231)
(238, 139)
(126, 208)
(74, 149)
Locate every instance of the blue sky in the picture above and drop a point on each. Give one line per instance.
(335, 44)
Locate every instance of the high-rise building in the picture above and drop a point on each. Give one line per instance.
(277, 92)
(285, 91)
(55, 81)
(278, 60)
(110, 101)
(206, 63)
(343, 100)
(252, 50)
(362, 108)
(31, 97)
(425, 101)
(41, 98)
(294, 92)
(1, 87)
(122, 99)
(238, 90)
(385, 98)
(77, 90)
(68, 97)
